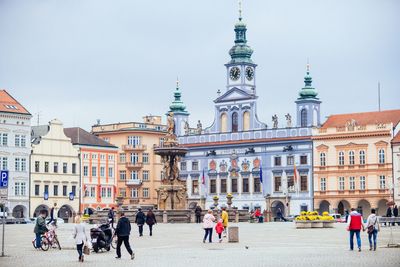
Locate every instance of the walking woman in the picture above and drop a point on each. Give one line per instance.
(150, 221)
(373, 228)
(208, 226)
(79, 236)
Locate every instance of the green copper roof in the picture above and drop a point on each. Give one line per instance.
(308, 92)
(240, 52)
(177, 105)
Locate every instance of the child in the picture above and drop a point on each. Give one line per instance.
(219, 228)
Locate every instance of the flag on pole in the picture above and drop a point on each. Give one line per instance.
(261, 178)
(296, 178)
(203, 178)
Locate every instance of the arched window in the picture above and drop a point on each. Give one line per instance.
(235, 122)
(303, 117)
(341, 158)
(381, 155)
(246, 121)
(362, 157)
(322, 158)
(351, 157)
(224, 123)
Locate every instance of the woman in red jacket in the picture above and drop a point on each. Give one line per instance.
(219, 228)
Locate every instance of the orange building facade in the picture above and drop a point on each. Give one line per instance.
(98, 164)
(353, 162)
(139, 169)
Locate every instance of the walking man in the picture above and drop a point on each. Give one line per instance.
(123, 231)
(140, 220)
(111, 215)
(52, 214)
(354, 225)
(197, 212)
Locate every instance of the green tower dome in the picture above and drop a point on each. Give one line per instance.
(308, 92)
(177, 106)
(240, 52)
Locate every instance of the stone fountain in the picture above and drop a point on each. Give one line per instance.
(172, 193)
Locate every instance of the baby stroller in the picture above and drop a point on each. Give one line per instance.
(101, 237)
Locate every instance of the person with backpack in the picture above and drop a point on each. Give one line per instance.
(150, 220)
(373, 228)
(354, 226)
(140, 220)
(52, 217)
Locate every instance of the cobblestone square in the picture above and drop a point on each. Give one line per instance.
(268, 244)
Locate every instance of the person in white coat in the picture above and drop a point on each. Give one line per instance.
(79, 236)
(208, 223)
(373, 228)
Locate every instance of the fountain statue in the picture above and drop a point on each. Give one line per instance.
(172, 192)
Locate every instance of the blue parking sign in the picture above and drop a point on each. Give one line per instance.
(4, 179)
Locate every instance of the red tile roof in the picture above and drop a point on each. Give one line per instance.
(10, 105)
(396, 139)
(364, 118)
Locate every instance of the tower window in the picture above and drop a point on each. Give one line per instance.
(235, 123)
(303, 117)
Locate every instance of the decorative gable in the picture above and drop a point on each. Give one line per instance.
(322, 147)
(234, 94)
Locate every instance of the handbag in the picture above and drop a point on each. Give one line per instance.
(86, 250)
(372, 227)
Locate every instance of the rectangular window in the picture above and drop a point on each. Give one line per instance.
(110, 172)
(145, 157)
(93, 191)
(134, 158)
(20, 189)
(277, 161)
(94, 156)
(102, 156)
(341, 158)
(134, 141)
(55, 167)
(23, 165)
(17, 188)
(195, 166)
(234, 185)
(322, 159)
(278, 184)
(323, 184)
(290, 160)
(134, 193)
(303, 183)
(134, 175)
(145, 192)
(46, 166)
(183, 166)
(223, 186)
(382, 182)
(17, 164)
(362, 157)
(161, 141)
(122, 192)
(4, 163)
(46, 188)
(195, 187)
(102, 171)
(145, 175)
(362, 182)
(290, 184)
(109, 192)
(213, 186)
(4, 139)
(103, 192)
(23, 189)
(122, 157)
(352, 183)
(122, 175)
(65, 167)
(74, 168)
(74, 190)
(303, 160)
(341, 183)
(257, 185)
(37, 189)
(94, 171)
(37, 165)
(23, 141)
(351, 158)
(85, 171)
(245, 184)
(110, 157)
(64, 190)
(17, 140)
(55, 190)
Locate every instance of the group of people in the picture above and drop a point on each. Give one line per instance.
(355, 224)
(220, 227)
(392, 212)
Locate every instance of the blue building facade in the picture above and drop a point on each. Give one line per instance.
(261, 166)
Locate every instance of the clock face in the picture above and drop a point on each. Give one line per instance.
(235, 73)
(249, 73)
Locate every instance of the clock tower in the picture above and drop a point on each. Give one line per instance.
(240, 70)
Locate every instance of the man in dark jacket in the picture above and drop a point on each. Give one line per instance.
(197, 212)
(123, 231)
(111, 216)
(395, 213)
(52, 210)
(140, 220)
(40, 228)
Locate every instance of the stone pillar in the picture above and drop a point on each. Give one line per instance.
(192, 216)
(165, 217)
(233, 234)
(236, 216)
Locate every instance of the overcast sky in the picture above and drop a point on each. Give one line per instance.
(117, 60)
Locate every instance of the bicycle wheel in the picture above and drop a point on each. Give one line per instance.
(57, 242)
(45, 244)
(34, 243)
(114, 242)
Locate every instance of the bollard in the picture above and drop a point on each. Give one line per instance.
(233, 234)
(165, 217)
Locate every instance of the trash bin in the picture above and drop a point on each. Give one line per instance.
(233, 234)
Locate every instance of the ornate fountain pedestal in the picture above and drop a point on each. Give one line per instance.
(172, 193)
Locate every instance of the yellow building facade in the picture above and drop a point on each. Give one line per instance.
(139, 169)
(353, 162)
